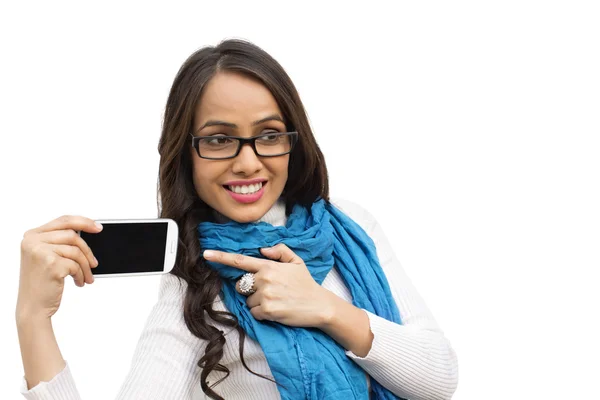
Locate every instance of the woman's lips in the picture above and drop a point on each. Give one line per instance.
(249, 197)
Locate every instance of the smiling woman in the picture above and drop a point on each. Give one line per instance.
(277, 292)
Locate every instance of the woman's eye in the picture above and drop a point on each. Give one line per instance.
(270, 136)
(216, 140)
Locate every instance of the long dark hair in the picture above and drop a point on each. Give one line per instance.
(177, 197)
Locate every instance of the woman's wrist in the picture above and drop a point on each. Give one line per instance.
(326, 309)
(347, 324)
(28, 315)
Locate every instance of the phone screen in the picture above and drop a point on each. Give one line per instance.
(128, 247)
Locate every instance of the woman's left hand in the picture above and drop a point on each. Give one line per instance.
(285, 290)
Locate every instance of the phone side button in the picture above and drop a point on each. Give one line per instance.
(173, 243)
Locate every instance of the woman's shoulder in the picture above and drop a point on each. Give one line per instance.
(171, 287)
(358, 213)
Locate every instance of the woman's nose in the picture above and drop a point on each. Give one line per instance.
(247, 162)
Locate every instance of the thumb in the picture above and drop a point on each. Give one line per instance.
(281, 253)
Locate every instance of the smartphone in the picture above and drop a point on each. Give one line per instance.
(133, 247)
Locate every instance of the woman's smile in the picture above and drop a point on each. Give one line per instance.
(246, 191)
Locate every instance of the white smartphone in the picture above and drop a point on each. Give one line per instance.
(133, 247)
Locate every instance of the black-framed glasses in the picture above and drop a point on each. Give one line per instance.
(222, 147)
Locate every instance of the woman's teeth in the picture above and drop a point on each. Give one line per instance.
(246, 189)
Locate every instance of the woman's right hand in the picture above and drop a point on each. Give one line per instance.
(48, 254)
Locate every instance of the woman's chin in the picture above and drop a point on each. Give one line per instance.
(247, 213)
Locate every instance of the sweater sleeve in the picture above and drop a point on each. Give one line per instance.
(61, 387)
(164, 364)
(413, 360)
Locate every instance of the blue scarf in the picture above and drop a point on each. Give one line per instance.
(305, 362)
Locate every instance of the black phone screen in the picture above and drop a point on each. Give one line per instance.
(128, 247)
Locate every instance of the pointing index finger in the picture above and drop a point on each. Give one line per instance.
(239, 261)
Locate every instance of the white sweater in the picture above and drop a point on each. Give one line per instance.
(413, 360)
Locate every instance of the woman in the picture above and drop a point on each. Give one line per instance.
(309, 302)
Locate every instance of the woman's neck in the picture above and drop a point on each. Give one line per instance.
(275, 216)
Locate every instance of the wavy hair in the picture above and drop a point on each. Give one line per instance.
(177, 198)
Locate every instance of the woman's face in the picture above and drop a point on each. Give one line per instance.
(235, 105)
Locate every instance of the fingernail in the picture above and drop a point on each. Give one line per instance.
(96, 261)
(208, 253)
(98, 225)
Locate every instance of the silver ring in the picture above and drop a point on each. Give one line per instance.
(247, 284)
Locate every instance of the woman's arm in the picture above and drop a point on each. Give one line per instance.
(414, 360)
(40, 353)
(164, 363)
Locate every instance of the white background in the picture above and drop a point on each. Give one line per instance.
(469, 129)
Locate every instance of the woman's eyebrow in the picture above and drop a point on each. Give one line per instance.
(274, 117)
(217, 123)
